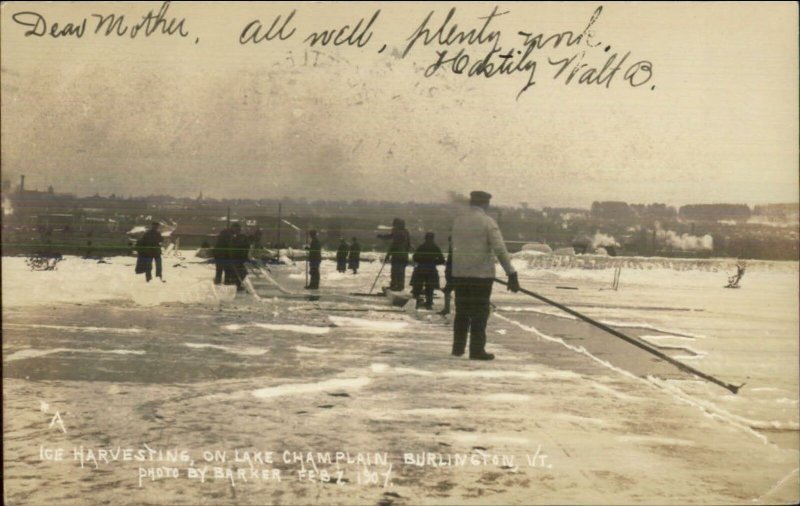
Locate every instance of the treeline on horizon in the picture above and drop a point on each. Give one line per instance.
(611, 209)
(762, 232)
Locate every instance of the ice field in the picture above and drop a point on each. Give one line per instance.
(187, 365)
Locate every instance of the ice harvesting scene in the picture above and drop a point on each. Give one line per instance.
(400, 253)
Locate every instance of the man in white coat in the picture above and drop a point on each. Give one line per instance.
(476, 241)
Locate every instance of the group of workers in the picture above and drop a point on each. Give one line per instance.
(475, 242)
(348, 256)
(231, 252)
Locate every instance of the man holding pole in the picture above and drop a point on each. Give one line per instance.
(398, 253)
(476, 241)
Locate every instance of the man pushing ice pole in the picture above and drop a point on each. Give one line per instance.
(476, 241)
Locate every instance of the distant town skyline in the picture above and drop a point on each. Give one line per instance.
(8, 186)
(166, 116)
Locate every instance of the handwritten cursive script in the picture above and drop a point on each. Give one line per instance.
(104, 24)
(475, 48)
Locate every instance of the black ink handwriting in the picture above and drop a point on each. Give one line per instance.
(637, 74)
(355, 36)
(113, 24)
(252, 32)
(446, 37)
(495, 62)
(554, 41)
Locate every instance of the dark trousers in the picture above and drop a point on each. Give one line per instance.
(313, 272)
(148, 267)
(226, 271)
(238, 272)
(219, 263)
(424, 280)
(427, 290)
(472, 314)
(398, 275)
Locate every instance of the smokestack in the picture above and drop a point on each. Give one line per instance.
(21, 183)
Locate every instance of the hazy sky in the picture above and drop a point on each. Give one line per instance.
(164, 114)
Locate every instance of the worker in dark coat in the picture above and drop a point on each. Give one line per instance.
(149, 250)
(341, 256)
(398, 253)
(314, 260)
(221, 256)
(239, 255)
(425, 278)
(354, 258)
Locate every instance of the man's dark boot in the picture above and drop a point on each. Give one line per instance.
(446, 309)
(481, 356)
(459, 345)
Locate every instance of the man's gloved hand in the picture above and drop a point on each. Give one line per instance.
(513, 282)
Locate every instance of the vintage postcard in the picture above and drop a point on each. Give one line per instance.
(400, 253)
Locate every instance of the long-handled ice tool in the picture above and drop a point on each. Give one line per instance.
(268, 277)
(379, 274)
(680, 365)
(246, 283)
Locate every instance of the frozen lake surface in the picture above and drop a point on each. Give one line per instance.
(187, 366)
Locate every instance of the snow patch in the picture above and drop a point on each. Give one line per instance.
(511, 374)
(647, 326)
(675, 342)
(72, 328)
(665, 338)
(345, 321)
(237, 351)
(492, 374)
(380, 367)
(300, 329)
(306, 388)
(114, 279)
(31, 353)
(544, 310)
(411, 370)
(384, 368)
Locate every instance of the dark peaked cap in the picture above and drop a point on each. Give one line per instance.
(479, 197)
